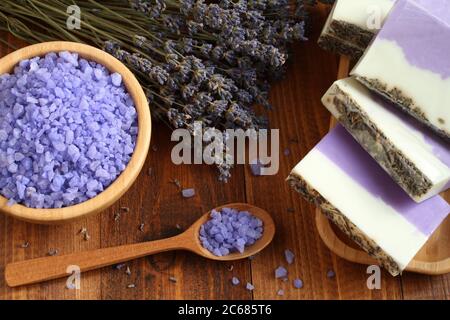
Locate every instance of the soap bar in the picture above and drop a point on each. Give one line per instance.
(408, 62)
(352, 24)
(416, 158)
(354, 192)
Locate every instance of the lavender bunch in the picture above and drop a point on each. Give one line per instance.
(197, 61)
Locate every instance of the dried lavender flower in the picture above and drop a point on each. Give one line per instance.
(235, 281)
(25, 245)
(53, 252)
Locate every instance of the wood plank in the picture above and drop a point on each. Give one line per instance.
(300, 116)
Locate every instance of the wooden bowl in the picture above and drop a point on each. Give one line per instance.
(432, 259)
(128, 176)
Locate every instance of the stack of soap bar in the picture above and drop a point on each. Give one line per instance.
(352, 24)
(417, 159)
(354, 192)
(409, 63)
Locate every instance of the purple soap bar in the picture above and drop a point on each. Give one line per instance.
(362, 199)
(408, 62)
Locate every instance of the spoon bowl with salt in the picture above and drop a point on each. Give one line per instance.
(54, 267)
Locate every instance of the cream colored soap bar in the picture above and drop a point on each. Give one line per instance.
(355, 193)
(408, 62)
(352, 24)
(417, 159)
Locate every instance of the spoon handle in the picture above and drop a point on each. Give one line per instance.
(54, 267)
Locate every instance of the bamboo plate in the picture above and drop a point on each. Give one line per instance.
(432, 259)
(127, 177)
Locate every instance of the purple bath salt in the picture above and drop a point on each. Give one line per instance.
(331, 274)
(68, 129)
(289, 256)
(235, 281)
(280, 272)
(188, 193)
(298, 283)
(230, 231)
(249, 286)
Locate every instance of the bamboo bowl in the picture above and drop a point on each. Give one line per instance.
(123, 182)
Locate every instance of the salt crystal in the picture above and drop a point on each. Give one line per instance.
(331, 274)
(298, 283)
(249, 286)
(116, 79)
(280, 272)
(235, 281)
(256, 168)
(188, 193)
(289, 256)
(280, 292)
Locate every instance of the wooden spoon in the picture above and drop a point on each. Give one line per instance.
(48, 268)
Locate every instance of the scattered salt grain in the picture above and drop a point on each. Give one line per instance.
(131, 286)
(230, 268)
(249, 286)
(298, 283)
(229, 231)
(141, 227)
(331, 274)
(256, 168)
(235, 281)
(128, 271)
(120, 266)
(117, 216)
(66, 133)
(289, 256)
(280, 272)
(188, 193)
(178, 226)
(280, 292)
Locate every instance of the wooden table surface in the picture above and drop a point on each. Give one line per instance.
(155, 201)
